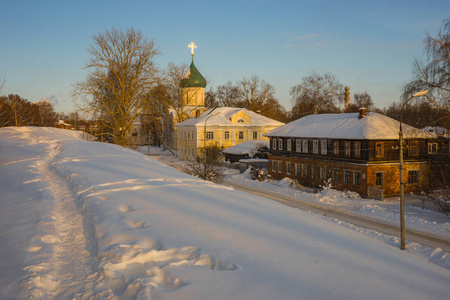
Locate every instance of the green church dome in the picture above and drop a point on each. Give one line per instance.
(193, 78)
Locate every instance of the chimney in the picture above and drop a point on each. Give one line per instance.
(362, 113)
(347, 96)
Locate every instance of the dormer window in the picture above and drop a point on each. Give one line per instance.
(240, 120)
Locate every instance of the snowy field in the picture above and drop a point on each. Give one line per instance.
(87, 220)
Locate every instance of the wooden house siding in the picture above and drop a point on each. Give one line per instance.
(368, 164)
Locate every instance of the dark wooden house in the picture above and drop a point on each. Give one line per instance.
(353, 151)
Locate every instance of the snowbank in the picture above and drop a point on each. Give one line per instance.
(91, 220)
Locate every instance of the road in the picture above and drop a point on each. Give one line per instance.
(422, 238)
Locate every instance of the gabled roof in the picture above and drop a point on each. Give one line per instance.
(373, 126)
(220, 116)
(246, 147)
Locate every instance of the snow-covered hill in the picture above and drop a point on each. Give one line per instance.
(87, 220)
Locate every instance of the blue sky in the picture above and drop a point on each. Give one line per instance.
(369, 45)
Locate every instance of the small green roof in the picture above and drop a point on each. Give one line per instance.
(193, 78)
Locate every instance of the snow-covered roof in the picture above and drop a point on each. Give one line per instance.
(348, 126)
(245, 147)
(220, 116)
(441, 131)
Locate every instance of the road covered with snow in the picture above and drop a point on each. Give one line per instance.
(87, 220)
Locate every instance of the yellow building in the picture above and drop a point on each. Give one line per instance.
(225, 126)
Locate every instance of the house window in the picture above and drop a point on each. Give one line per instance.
(304, 170)
(357, 149)
(288, 168)
(274, 166)
(279, 166)
(274, 144)
(255, 135)
(336, 175)
(413, 148)
(241, 135)
(432, 148)
(356, 178)
(336, 148)
(347, 148)
(323, 147)
(227, 135)
(315, 172)
(298, 145)
(315, 146)
(289, 145)
(240, 120)
(280, 144)
(379, 151)
(379, 179)
(347, 177)
(323, 173)
(210, 135)
(305, 146)
(297, 170)
(413, 176)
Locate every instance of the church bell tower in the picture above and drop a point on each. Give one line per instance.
(193, 84)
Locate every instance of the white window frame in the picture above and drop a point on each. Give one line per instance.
(298, 170)
(210, 135)
(304, 170)
(323, 147)
(289, 145)
(288, 168)
(304, 145)
(280, 144)
(227, 135)
(316, 146)
(280, 166)
(298, 145)
(274, 143)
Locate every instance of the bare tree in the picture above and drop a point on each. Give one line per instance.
(172, 77)
(228, 94)
(256, 95)
(121, 74)
(364, 100)
(433, 73)
(207, 164)
(316, 94)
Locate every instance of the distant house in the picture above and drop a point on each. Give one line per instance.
(247, 149)
(224, 126)
(62, 124)
(354, 151)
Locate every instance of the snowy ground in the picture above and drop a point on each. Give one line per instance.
(387, 211)
(87, 220)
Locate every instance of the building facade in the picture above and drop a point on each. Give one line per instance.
(223, 126)
(355, 151)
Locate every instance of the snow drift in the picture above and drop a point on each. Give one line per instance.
(91, 220)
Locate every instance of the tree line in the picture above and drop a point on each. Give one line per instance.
(124, 83)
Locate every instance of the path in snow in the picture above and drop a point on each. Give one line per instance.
(67, 259)
(72, 268)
